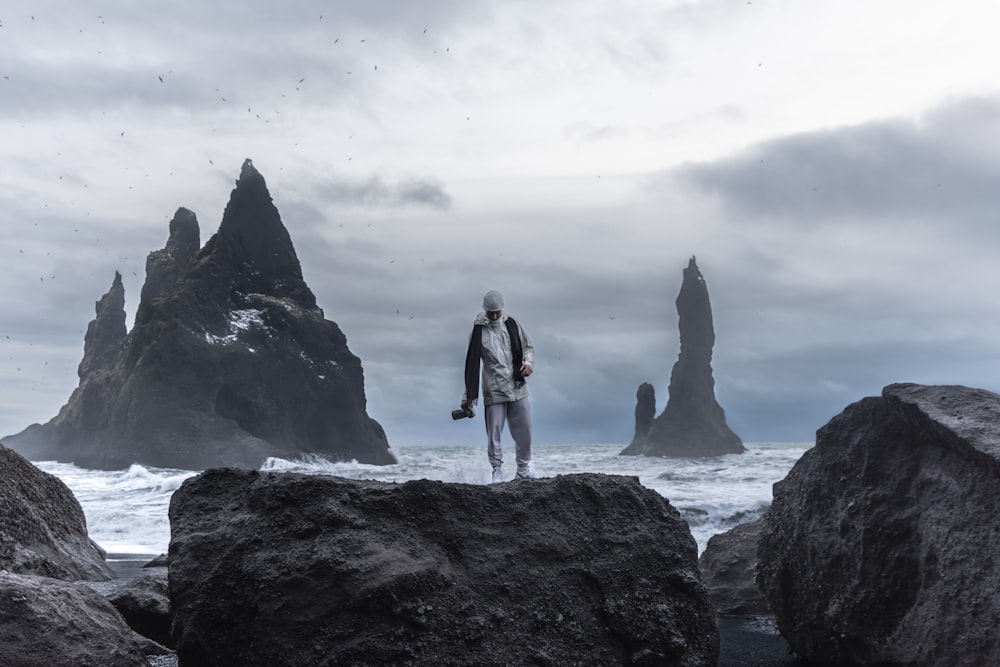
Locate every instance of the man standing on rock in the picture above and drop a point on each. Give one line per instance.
(507, 356)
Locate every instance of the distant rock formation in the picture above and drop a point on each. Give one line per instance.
(645, 411)
(729, 567)
(693, 423)
(42, 527)
(230, 360)
(573, 570)
(880, 547)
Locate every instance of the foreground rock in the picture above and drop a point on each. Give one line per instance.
(144, 603)
(42, 527)
(693, 423)
(729, 568)
(230, 360)
(269, 568)
(46, 622)
(880, 547)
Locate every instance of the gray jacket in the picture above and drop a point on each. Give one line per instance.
(498, 384)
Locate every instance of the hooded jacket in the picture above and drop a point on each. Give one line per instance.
(501, 381)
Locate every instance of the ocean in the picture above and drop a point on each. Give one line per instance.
(126, 510)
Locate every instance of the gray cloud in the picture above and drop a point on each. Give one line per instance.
(221, 58)
(376, 192)
(896, 169)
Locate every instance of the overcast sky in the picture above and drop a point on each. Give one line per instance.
(834, 166)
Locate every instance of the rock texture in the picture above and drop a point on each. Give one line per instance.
(230, 360)
(46, 622)
(880, 547)
(272, 568)
(729, 568)
(145, 605)
(164, 267)
(693, 423)
(42, 528)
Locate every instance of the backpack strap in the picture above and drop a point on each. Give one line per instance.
(472, 359)
(513, 331)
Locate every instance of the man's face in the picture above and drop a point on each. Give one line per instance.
(493, 314)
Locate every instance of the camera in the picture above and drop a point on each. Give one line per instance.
(462, 413)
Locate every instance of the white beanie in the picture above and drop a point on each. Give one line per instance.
(493, 300)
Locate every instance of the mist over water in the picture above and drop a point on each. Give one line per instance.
(126, 510)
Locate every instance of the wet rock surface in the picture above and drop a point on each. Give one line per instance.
(43, 530)
(573, 570)
(729, 568)
(45, 622)
(881, 544)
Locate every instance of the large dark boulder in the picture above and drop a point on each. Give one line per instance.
(230, 360)
(43, 530)
(881, 545)
(729, 568)
(46, 622)
(693, 423)
(280, 568)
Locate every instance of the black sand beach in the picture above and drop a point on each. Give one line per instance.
(754, 642)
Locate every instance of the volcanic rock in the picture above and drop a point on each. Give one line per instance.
(693, 423)
(45, 622)
(230, 360)
(106, 333)
(729, 567)
(164, 267)
(282, 568)
(880, 547)
(42, 528)
(83, 425)
(145, 605)
(645, 411)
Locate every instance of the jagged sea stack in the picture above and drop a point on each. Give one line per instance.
(693, 423)
(230, 360)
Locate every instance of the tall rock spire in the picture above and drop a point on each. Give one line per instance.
(253, 241)
(106, 332)
(693, 423)
(164, 267)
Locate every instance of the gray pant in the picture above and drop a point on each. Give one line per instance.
(518, 415)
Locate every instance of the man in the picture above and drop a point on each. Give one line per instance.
(507, 356)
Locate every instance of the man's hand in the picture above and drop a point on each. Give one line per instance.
(525, 370)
